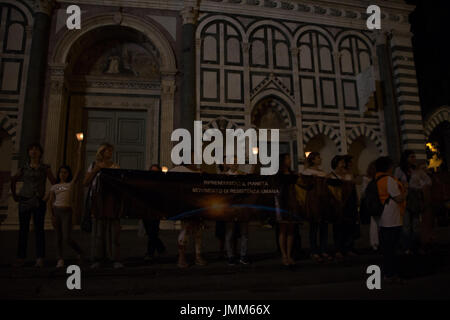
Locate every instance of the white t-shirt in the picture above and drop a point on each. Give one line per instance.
(314, 172)
(391, 216)
(63, 194)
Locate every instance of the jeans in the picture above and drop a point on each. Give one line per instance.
(63, 229)
(154, 242)
(25, 214)
(410, 231)
(314, 228)
(389, 241)
(230, 236)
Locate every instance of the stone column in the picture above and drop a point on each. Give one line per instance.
(167, 105)
(407, 94)
(390, 113)
(30, 129)
(188, 107)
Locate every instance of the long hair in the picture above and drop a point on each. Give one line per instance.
(404, 165)
(101, 149)
(69, 178)
(335, 161)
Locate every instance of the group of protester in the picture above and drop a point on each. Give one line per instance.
(401, 194)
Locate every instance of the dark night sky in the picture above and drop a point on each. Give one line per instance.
(430, 24)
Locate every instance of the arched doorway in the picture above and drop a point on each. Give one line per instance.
(325, 146)
(272, 112)
(364, 151)
(114, 81)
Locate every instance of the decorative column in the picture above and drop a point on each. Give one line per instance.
(56, 117)
(295, 52)
(392, 129)
(30, 129)
(188, 107)
(407, 94)
(167, 104)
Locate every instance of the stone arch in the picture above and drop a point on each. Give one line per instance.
(220, 123)
(437, 117)
(219, 18)
(341, 36)
(320, 30)
(285, 107)
(23, 8)
(146, 27)
(363, 130)
(271, 23)
(322, 128)
(9, 125)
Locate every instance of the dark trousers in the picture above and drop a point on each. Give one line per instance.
(389, 241)
(25, 215)
(343, 234)
(154, 242)
(322, 228)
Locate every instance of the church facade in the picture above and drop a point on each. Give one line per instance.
(137, 70)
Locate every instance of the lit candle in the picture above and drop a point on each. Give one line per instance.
(255, 150)
(80, 136)
(164, 169)
(307, 154)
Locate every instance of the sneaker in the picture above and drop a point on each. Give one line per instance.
(95, 265)
(118, 265)
(60, 263)
(244, 260)
(231, 261)
(39, 263)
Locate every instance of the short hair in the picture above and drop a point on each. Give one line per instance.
(35, 145)
(311, 157)
(335, 161)
(383, 164)
(69, 178)
(347, 158)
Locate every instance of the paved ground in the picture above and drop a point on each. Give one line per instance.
(427, 276)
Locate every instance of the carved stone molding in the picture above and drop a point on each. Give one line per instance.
(44, 6)
(189, 15)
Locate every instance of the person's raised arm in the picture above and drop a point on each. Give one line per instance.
(50, 176)
(17, 177)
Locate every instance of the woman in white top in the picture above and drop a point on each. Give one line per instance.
(105, 231)
(60, 205)
(318, 252)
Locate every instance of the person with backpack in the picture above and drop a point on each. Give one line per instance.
(363, 212)
(386, 199)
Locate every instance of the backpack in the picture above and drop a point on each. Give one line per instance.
(371, 205)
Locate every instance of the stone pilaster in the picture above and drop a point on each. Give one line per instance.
(30, 129)
(407, 94)
(188, 100)
(390, 113)
(168, 88)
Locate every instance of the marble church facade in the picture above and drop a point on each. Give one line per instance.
(138, 69)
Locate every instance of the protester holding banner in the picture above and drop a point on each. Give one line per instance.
(151, 225)
(318, 253)
(343, 191)
(287, 210)
(193, 227)
(34, 175)
(106, 227)
(234, 229)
